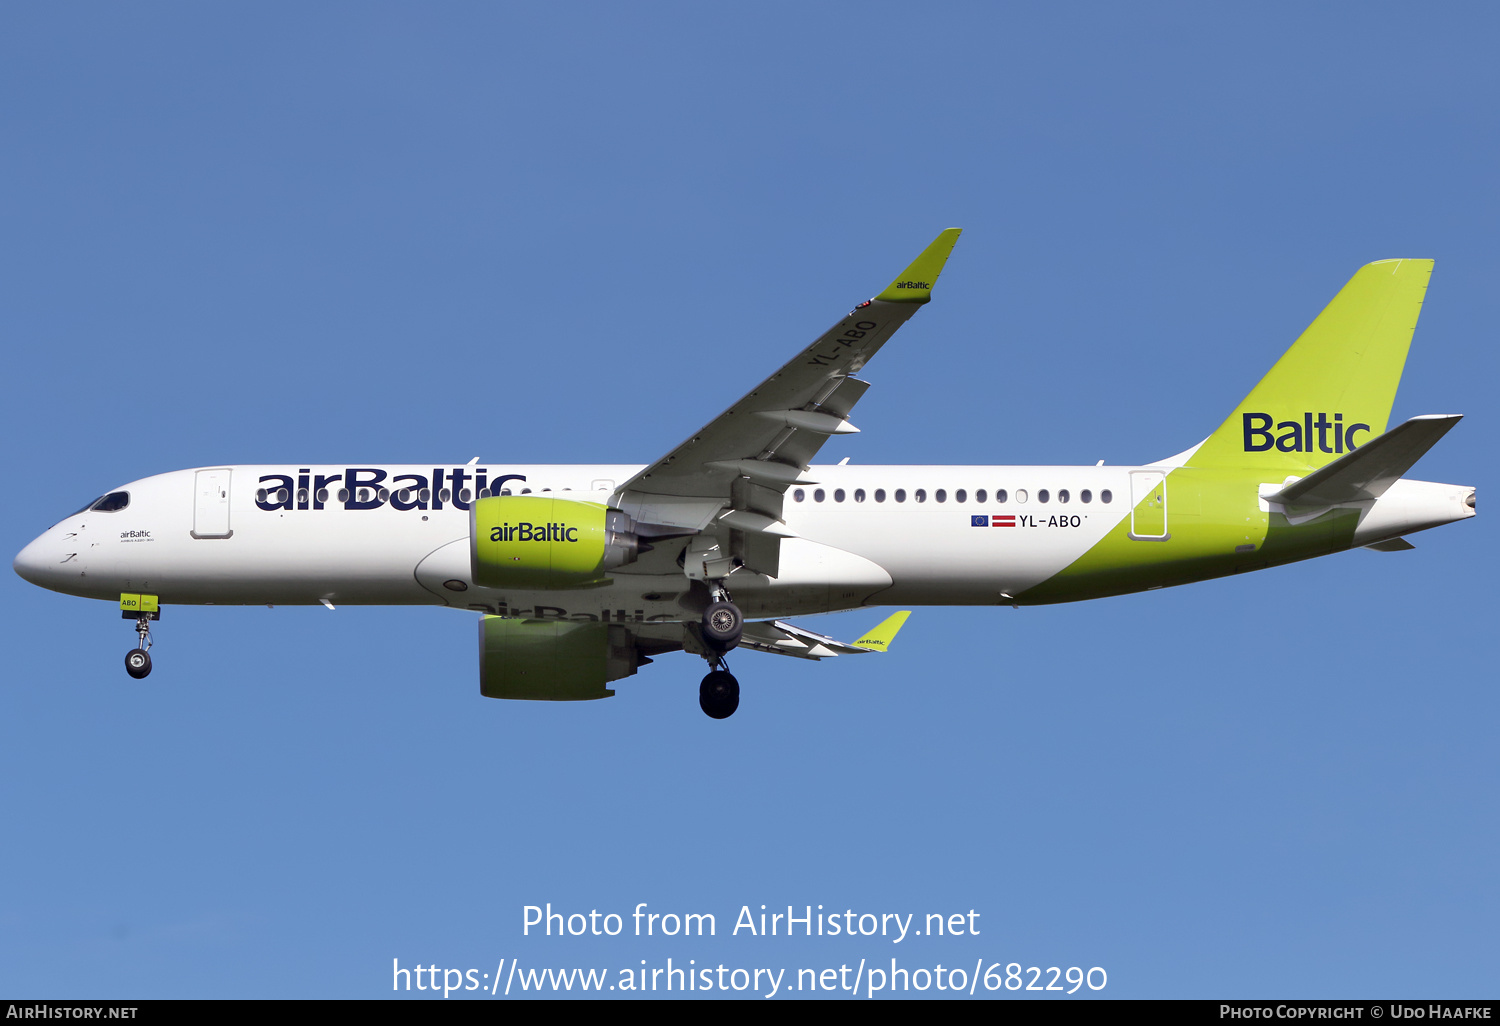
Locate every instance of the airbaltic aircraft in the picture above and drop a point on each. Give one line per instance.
(585, 572)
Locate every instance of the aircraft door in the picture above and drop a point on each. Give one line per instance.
(1148, 505)
(211, 504)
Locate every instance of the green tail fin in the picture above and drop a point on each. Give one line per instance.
(1333, 390)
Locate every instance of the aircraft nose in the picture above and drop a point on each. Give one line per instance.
(31, 563)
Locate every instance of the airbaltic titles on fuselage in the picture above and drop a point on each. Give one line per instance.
(373, 487)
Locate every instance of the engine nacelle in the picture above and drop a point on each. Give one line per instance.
(540, 542)
(553, 660)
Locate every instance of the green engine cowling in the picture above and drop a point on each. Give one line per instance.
(553, 660)
(540, 542)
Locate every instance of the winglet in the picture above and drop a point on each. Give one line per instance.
(914, 285)
(879, 639)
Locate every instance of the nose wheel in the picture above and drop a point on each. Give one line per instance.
(138, 660)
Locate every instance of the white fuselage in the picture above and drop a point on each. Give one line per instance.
(855, 543)
(861, 535)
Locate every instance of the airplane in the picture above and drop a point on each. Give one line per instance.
(582, 574)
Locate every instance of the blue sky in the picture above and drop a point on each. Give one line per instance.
(545, 233)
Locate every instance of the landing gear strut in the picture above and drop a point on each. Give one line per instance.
(138, 660)
(719, 694)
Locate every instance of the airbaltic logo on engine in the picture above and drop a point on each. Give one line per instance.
(525, 532)
(1300, 435)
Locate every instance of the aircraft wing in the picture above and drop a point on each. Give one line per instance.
(778, 637)
(738, 466)
(781, 638)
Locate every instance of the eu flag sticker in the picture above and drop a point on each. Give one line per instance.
(979, 521)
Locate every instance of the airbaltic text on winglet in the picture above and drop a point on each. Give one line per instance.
(1298, 435)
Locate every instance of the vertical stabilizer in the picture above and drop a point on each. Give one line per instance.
(1332, 391)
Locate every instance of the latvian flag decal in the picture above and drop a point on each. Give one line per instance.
(1006, 520)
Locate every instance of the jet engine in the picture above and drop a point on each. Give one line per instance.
(540, 542)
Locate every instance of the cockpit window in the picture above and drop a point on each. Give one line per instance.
(112, 503)
(82, 509)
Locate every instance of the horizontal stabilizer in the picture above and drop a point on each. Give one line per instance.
(1369, 470)
(1392, 545)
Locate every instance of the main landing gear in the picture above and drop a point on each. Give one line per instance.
(138, 660)
(719, 694)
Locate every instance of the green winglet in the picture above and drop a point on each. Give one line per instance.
(915, 283)
(879, 639)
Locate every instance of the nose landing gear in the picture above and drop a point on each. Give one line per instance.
(142, 609)
(138, 660)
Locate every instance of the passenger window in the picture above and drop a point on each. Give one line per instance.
(322, 495)
(1021, 495)
(425, 495)
(1043, 496)
(900, 494)
(941, 495)
(1086, 496)
(921, 495)
(1105, 496)
(960, 496)
(1062, 495)
(343, 495)
(880, 495)
(445, 495)
(859, 495)
(464, 494)
(260, 496)
(838, 495)
(1001, 496)
(800, 494)
(302, 496)
(979, 496)
(819, 495)
(384, 494)
(112, 503)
